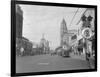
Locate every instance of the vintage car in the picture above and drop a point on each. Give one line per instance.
(64, 51)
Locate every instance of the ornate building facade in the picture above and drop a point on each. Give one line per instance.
(44, 44)
(68, 37)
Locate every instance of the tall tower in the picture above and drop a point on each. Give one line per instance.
(19, 21)
(63, 33)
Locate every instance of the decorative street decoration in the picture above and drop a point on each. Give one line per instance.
(90, 18)
(86, 33)
(83, 18)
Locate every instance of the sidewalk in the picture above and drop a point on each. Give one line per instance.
(82, 57)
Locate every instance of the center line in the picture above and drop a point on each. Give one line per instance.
(43, 63)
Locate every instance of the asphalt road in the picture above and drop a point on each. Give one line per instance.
(48, 63)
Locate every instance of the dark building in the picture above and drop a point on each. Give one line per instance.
(23, 45)
(19, 21)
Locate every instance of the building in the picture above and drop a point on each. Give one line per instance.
(44, 44)
(68, 37)
(23, 46)
(63, 31)
(19, 21)
(22, 43)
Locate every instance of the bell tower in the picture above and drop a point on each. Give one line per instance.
(63, 32)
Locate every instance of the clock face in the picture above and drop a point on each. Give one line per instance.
(86, 33)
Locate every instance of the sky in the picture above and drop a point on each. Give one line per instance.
(39, 20)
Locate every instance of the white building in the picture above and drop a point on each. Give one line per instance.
(68, 37)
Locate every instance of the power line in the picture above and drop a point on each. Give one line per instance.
(74, 16)
(81, 16)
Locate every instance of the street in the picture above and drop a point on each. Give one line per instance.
(49, 63)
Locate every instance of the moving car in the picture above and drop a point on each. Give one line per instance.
(63, 51)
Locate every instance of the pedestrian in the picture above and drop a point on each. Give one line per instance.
(21, 50)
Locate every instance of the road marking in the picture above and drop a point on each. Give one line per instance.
(43, 63)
